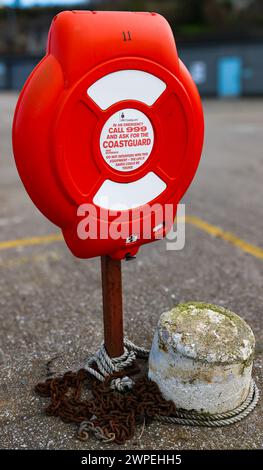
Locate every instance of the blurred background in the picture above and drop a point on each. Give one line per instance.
(220, 41)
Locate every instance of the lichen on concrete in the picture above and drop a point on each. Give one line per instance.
(207, 333)
(201, 357)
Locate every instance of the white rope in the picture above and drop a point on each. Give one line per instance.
(193, 418)
(107, 366)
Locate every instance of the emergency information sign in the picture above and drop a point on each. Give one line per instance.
(126, 140)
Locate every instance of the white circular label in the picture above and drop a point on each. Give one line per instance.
(126, 140)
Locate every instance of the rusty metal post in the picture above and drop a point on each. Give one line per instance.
(112, 306)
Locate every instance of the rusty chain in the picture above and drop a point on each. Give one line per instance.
(110, 415)
(107, 414)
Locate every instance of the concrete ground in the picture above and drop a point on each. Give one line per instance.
(50, 302)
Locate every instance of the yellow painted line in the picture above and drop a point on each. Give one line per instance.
(212, 230)
(55, 237)
(227, 236)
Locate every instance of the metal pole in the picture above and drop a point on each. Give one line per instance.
(112, 306)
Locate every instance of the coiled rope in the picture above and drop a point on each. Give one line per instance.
(193, 418)
(113, 416)
(108, 366)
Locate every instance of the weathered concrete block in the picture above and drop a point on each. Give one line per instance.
(201, 357)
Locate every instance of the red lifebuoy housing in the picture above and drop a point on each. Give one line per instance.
(109, 118)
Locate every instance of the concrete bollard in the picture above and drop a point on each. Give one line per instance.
(201, 357)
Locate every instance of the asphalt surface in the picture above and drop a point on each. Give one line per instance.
(50, 302)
